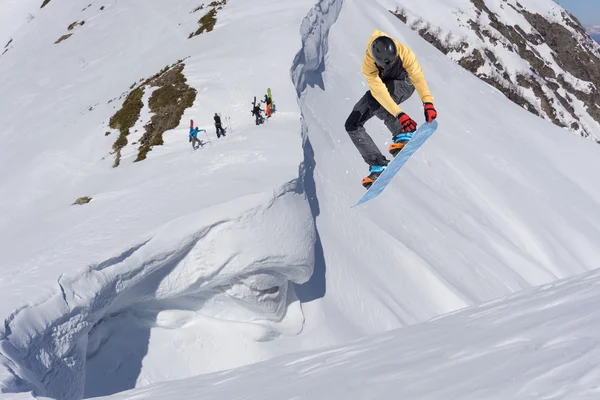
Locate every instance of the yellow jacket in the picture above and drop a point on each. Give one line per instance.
(378, 88)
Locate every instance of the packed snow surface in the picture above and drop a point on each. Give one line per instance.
(247, 248)
(538, 344)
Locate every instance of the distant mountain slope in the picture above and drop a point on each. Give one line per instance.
(534, 52)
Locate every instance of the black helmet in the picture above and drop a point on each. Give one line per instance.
(384, 51)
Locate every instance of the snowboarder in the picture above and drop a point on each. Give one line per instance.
(393, 73)
(194, 137)
(268, 103)
(218, 126)
(256, 111)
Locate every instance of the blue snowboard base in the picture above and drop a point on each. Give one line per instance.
(419, 137)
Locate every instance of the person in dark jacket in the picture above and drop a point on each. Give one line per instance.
(220, 130)
(256, 111)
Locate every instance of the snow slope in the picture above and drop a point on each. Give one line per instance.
(189, 257)
(538, 344)
(494, 202)
(179, 239)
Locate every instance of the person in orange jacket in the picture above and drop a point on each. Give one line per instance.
(393, 73)
(267, 102)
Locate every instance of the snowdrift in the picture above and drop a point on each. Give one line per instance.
(180, 246)
(540, 343)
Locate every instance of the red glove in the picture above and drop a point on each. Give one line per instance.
(408, 125)
(430, 113)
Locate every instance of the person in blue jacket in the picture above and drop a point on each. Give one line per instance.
(194, 137)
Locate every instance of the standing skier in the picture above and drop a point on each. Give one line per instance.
(392, 72)
(218, 126)
(194, 137)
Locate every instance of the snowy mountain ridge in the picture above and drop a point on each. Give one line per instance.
(247, 249)
(535, 52)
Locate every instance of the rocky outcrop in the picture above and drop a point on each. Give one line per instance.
(562, 79)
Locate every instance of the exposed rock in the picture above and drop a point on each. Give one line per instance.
(472, 62)
(563, 61)
(82, 200)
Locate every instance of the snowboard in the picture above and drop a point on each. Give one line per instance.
(419, 137)
(273, 109)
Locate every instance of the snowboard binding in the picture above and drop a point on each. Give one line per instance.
(375, 171)
(400, 140)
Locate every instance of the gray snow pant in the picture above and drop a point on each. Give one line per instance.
(365, 109)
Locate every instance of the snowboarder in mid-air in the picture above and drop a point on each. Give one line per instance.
(392, 72)
(218, 126)
(194, 137)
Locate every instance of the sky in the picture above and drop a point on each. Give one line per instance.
(587, 11)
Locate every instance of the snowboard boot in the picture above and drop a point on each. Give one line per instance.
(374, 173)
(400, 141)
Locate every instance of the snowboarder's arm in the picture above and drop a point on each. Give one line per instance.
(377, 87)
(415, 73)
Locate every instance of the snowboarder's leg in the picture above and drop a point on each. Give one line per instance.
(355, 126)
(363, 111)
(400, 91)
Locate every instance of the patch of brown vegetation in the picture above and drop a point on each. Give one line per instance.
(167, 103)
(82, 200)
(63, 37)
(208, 21)
(129, 113)
(200, 7)
(75, 24)
(124, 119)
